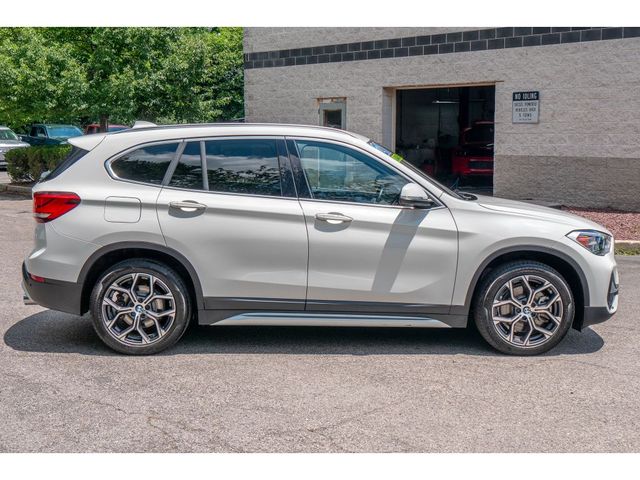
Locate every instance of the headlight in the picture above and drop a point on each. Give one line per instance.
(598, 243)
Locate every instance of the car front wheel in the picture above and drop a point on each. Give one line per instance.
(523, 308)
(140, 307)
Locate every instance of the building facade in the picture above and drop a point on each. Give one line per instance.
(557, 108)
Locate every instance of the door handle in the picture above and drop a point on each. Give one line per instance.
(333, 217)
(187, 206)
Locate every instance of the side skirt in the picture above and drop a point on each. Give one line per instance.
(328, 319)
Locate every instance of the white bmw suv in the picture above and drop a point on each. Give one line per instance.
(264, 224)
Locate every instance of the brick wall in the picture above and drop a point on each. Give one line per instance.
(588, 138)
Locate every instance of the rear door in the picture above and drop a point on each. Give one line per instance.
(240, 224)
(367, 254)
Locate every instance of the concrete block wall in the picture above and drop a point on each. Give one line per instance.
(585, 151)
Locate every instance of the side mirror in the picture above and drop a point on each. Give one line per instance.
(413, 195)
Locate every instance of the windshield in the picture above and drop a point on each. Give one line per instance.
(64, 131)
(7, 135)
(413, 168)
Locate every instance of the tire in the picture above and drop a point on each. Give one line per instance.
(515, 322)
(153, 321)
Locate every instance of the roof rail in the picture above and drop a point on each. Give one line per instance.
(143, 124)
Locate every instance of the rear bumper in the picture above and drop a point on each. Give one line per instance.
(53, 294)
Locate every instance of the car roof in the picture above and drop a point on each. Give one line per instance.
(53, 125)
(252, 128)
(154, 133)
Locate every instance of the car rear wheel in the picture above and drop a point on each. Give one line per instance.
(140, 307)
(523, 308)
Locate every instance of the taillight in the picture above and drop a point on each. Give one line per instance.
(48, 206)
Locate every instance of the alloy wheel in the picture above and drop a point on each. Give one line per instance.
(527, 311)
(138, 309)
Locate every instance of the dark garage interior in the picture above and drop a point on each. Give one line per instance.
(448, 133)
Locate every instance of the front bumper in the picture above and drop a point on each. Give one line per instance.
(53, 294)
(593, 315)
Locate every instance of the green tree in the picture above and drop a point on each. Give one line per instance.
(39, 81)
(157, 74)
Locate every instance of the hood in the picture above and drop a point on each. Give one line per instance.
(537, 211)
(12, 143)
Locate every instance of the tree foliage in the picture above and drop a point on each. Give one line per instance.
(157, 74)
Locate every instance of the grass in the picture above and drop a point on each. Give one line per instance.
(628, 249)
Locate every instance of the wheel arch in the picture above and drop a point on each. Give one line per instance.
(103, 258)
(564, 264)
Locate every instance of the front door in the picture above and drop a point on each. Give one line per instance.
(239, 224)
(367, 254)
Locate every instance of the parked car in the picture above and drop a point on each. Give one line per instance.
(95, 128)
(249, 224)
(50, 134)
(474, 155)
(8, 141)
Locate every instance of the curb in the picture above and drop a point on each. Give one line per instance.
(627, 243)
(19, 189)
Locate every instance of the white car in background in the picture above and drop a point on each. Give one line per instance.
(8, 141)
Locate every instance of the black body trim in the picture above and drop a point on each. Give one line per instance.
(437, 44)
(286, 175)
(594, 315)
(525, 249)
(219, 308)
(145, 246)
(53, 294)
(382, 308)
(253, 304)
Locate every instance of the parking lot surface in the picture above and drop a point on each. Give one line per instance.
(259, 389)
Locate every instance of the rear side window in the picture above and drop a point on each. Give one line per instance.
(74, 155)
(188, 172)
(246, 166)
(146, 165)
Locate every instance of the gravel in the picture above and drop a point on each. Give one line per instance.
(623, 225)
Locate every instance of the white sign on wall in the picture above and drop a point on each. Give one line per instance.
(526, 107)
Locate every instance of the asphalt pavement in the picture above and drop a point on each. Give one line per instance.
(268, 389)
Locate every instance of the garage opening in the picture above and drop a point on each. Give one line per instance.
(449, 134)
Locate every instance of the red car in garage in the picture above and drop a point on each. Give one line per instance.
(474, 155)
(95, 128)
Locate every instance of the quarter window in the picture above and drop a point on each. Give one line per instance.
(247, 166)
(147, 164)
(339, 173)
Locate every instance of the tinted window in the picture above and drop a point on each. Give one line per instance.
(188, 173)
(339, 173)
(243, 166)
(146, 165)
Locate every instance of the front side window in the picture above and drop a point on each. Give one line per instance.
(146, 165)
(338, 173)
(245, 166)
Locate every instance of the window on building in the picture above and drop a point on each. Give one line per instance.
(339, 173)
(247, 166)
(333, 114)
(147, 164)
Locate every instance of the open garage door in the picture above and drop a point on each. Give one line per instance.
(449, 133)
